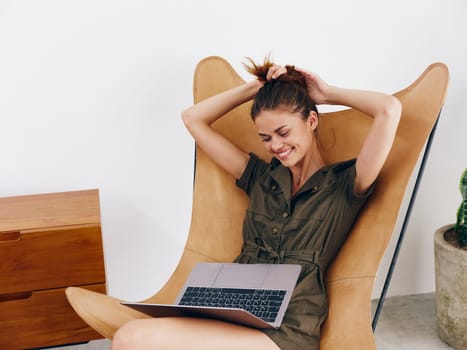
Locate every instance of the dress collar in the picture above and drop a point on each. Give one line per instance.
(323, 178)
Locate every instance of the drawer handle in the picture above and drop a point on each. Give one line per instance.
(10, 236)
(15, 296)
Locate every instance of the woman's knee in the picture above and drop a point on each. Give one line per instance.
(129, 336)
(152, 333)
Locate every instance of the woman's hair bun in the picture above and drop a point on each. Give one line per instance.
(289, 89)
(261, 70)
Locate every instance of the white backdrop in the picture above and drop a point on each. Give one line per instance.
(91, 94)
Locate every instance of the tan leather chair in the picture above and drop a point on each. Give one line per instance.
(219, 206)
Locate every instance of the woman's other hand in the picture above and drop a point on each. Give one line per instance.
(318, 89)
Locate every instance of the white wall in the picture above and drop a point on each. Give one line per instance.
(91, 93)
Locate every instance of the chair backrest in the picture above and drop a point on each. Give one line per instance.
(219, 206)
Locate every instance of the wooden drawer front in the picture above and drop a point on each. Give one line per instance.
(50, 258)
(44, 319)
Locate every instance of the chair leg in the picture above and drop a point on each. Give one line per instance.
(404, 227)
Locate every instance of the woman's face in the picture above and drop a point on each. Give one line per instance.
(286, 135)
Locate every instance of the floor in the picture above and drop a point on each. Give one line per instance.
(405, 323)
(409, 323)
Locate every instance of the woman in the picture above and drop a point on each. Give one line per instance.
(300, 210)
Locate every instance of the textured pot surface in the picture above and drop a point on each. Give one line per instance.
(451, 290)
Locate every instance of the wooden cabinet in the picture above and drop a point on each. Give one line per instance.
(47, 243)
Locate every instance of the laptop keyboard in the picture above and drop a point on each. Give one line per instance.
(263, 303)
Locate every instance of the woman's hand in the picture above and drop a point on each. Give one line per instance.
(275, 72)
(318, 89)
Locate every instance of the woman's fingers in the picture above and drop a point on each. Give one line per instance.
(309, 75)
(275, 71)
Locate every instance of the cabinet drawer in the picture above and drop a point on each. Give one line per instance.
(43, 319)
(50, 258)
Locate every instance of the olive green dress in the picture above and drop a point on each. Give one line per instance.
(308, 228)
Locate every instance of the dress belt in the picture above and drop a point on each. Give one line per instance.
(260, 248)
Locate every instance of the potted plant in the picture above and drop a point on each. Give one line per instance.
(451, 276)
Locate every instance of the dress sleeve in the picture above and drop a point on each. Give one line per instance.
(348, 180)
(255, 168)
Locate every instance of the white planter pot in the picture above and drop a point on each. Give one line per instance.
(451, 290)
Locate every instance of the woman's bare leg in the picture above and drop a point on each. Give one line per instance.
(189, 333)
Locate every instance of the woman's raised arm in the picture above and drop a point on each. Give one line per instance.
(199, 117)
(386, 111)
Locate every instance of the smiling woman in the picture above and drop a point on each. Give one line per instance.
(286, 118)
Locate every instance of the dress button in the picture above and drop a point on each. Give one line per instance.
(315, 188)
(275, 230)
(273, 187)
(285, 214)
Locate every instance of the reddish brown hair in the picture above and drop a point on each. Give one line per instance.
(289, 90)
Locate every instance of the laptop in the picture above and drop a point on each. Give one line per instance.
(254, 295)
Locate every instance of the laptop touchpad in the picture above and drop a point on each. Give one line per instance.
(242, 275)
